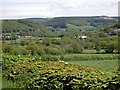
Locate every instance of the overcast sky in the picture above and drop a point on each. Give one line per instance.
(55, 8)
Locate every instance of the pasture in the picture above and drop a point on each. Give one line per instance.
(101, 64)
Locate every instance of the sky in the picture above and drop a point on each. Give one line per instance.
(17, 9)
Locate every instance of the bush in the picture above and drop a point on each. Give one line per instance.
(76, 48)
(56, 41)
(110, 47)
(33, 48)
(16, 51)
(68, 49)
(24, 51)
(61, 76)
(41, 51)
(12, 49)
(24, 42)
(46, 41)
(98, 48)
(54, 50)
(7, 48)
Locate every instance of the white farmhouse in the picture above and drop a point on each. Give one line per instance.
(83, 37)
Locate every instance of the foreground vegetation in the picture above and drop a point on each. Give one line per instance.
(34, 72)
(60, 75)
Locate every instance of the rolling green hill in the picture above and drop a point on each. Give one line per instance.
(55, 26)
(77, 21)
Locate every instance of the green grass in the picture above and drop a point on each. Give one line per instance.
(101, 64)
(0, 78)
(10, 84)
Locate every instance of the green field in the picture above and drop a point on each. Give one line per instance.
(101, 64)
(98, 61)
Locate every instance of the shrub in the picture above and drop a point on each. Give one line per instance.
(33, 48)
(76, 48)
(24, 51)
(98, 48)
(68, 49)
(12, 49)
(24, 42)
(61, 76)
(54, 50)
(7, 48)
(56, 41)
(110, 47)
(41, 51)
(16, 51)
(46, 41)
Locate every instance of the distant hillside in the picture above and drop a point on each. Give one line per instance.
(58, 22)
(46, 26)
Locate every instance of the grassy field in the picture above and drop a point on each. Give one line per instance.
(99, 61)
(101, 64)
